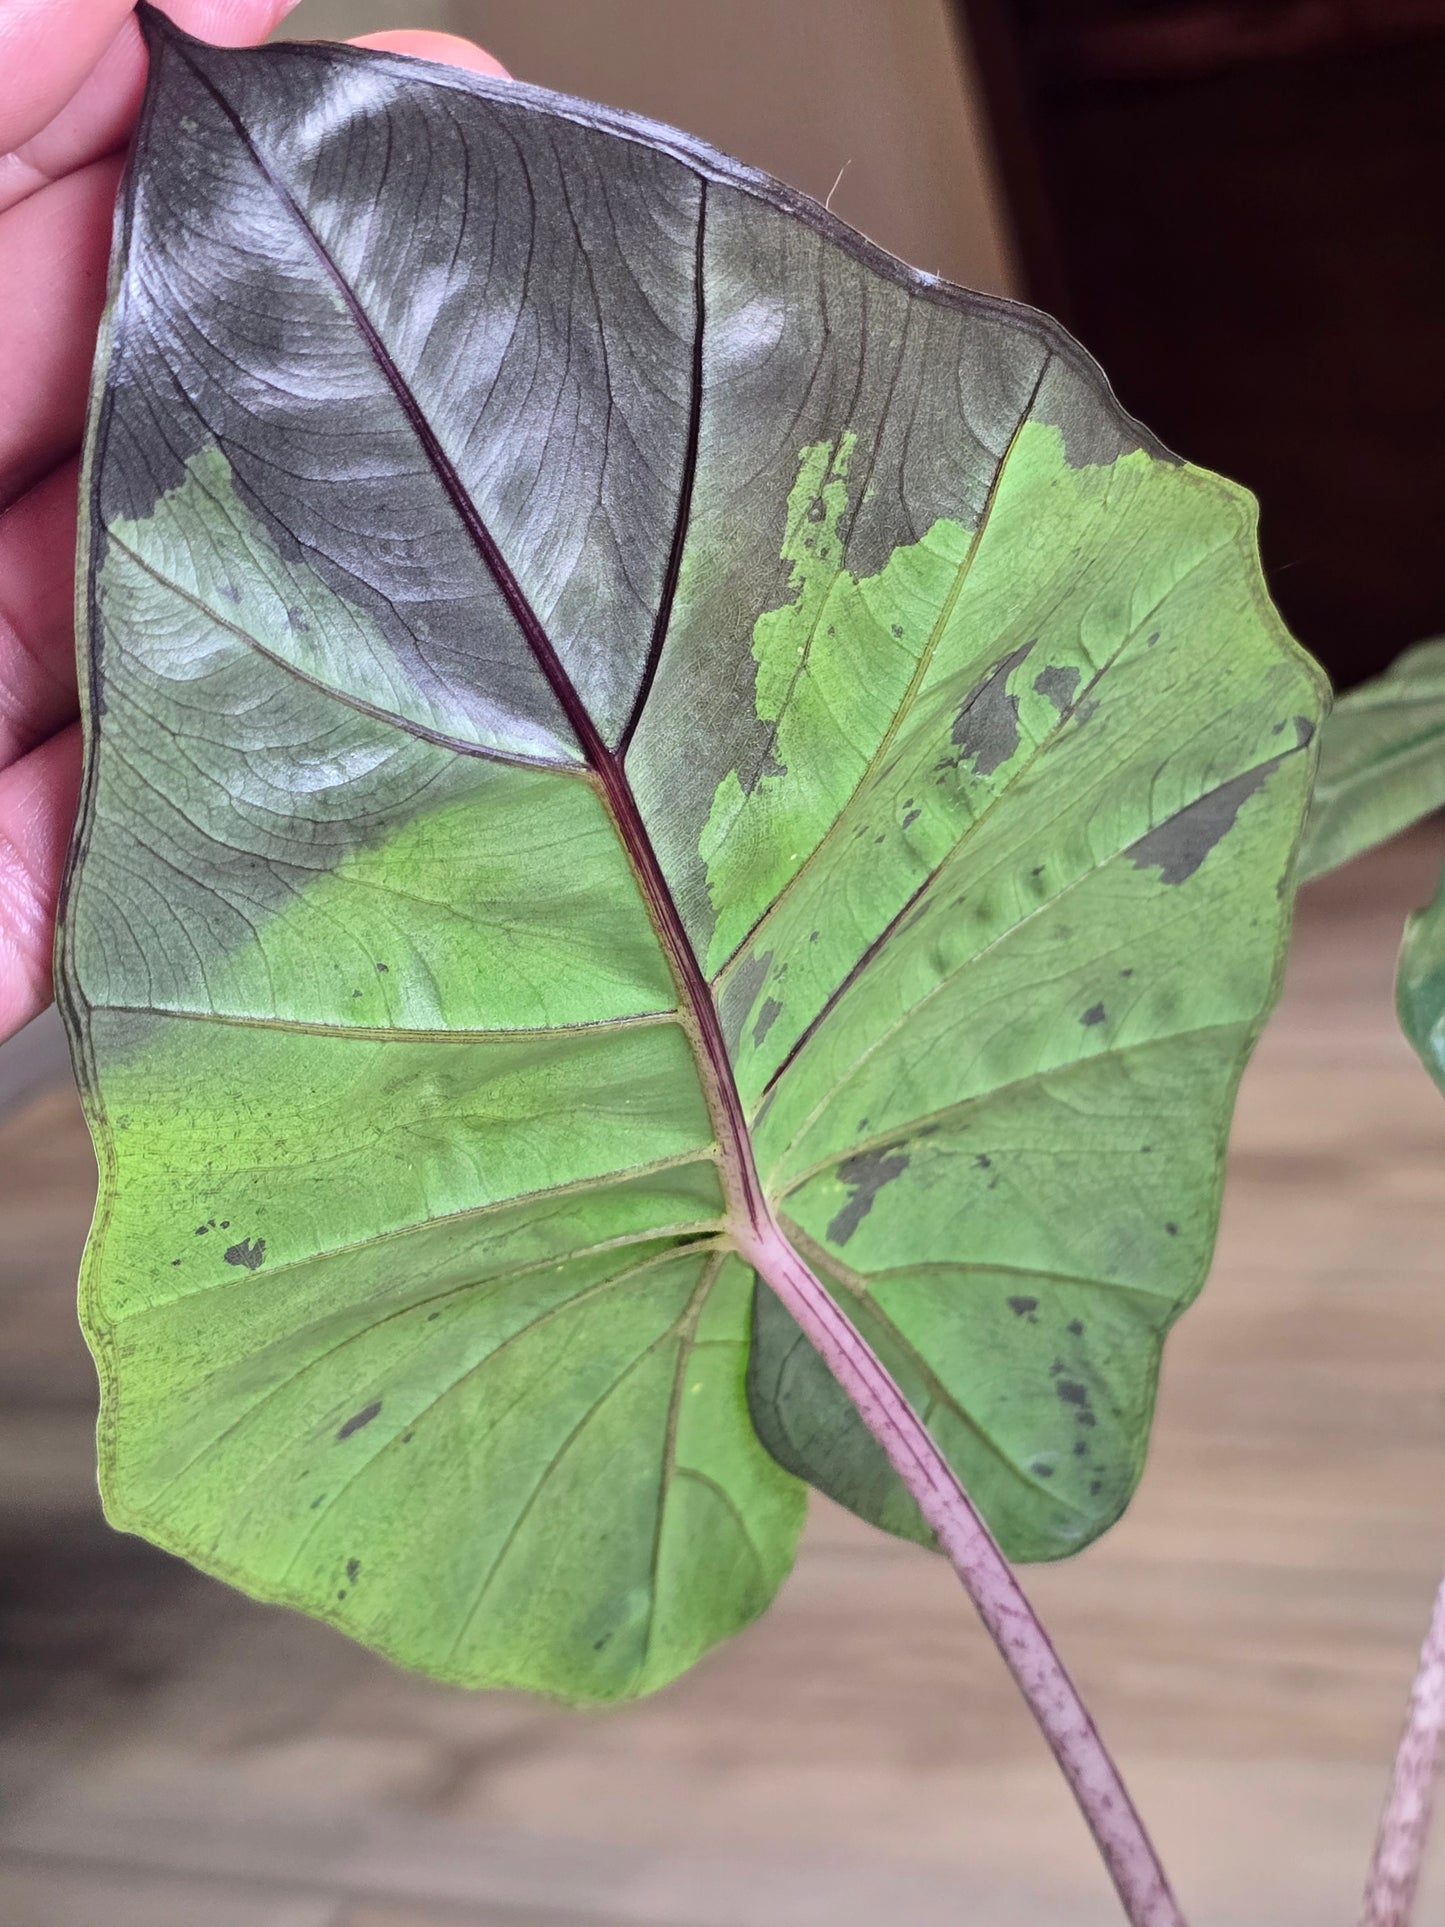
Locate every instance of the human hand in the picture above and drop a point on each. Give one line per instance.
(71, 76)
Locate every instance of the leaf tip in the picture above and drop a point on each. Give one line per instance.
(157, 28)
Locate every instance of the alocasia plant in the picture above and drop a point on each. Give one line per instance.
(636, 746)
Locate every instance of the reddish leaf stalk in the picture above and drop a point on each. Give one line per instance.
(1405, 1822)
(987, 1578)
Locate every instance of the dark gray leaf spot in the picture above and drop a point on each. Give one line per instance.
(318, 1502)
(986, 728)
(739, 993)
(1070, 1392)
(911, 818)
(1024, 1308)
(383, 968)
(1096, 1486)
(1076, 1327)
(1093, 1015)
(865, 1176)
(1304, 731)
(1081, 1448)
(1180, 844)
(251, 1252)
(1172, 1229)
(358, 1419)
(898, 630)
(1041, 1469)
(771, 1011)
(353, 1568)
(1057, 683)
(983, 1161)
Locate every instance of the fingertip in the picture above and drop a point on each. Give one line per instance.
(227, 23)
(46, 51)
(38, 797)
(446, 49)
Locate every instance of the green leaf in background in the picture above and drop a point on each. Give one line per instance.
(1420, 985)
(1382, 761)
(618, 711)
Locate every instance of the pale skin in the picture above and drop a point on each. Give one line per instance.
(71, 75)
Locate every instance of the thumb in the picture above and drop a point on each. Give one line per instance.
(447, 49)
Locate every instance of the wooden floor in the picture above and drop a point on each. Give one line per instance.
(173, 1756)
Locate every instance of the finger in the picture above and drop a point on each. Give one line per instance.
(53, 252)
(71, 77)
(37, 808)
(447, 49)
(37, 625)
(228, 23)
(94, 122)
(47, 47)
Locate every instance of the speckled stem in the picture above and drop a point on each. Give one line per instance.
(1405, 1822)
(987, 1577)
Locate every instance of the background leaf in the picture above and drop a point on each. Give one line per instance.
(1382, 760)
(1420, 985)
(544, 577)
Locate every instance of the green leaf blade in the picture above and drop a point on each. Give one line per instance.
(1420, 985)
(1026, 1052)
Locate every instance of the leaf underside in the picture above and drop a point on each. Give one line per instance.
(442, 429)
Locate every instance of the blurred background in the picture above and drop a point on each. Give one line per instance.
(1237, 208)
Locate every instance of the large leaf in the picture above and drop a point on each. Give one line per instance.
(1382, 761)
(541, 575)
